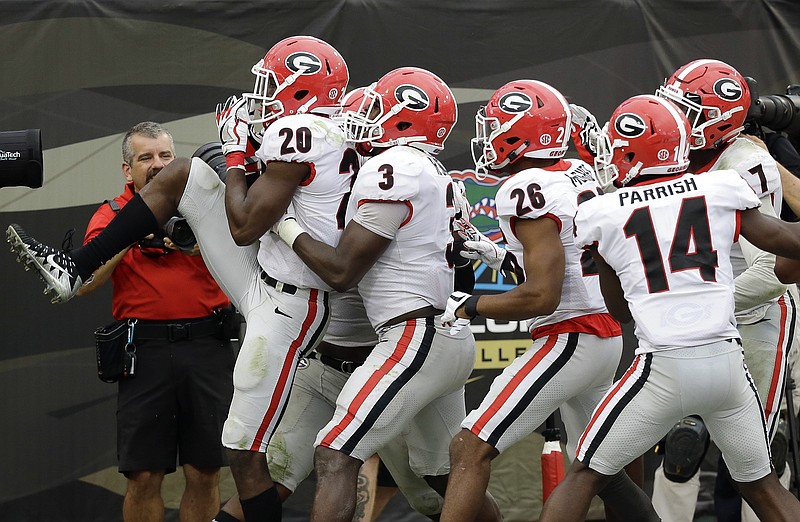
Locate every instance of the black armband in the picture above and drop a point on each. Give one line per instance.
(471, 306)
(464, 279)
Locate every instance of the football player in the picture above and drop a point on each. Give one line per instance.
(662, 244)
(715, 97)
(320, 377)
(308, 164)
(523, 132)
(394, 248)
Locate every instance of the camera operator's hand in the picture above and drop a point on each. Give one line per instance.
(194, 251)
(232, 119)
(755, 139)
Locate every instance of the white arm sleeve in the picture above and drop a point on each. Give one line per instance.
(758, 283)
(383, 218)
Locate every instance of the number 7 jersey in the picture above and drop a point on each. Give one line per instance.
(670, 241)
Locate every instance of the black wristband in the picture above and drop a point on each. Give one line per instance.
(470, 306)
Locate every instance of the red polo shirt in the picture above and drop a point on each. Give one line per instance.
(165, 287)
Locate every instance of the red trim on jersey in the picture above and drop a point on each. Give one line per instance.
(311, 175)
(598, 411)
(167, 287)
(407, 203)
(514, 383)
(777, 370)
(599, 325)
(738, 226)
(410, 213)
(557, 166)
(512, 222)
(311, 167)
(554, 218)
(366, 390)
(286, 370)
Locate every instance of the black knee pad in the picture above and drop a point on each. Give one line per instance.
(684, 448)
(779, 448)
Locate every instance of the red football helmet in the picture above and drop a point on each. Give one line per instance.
(715, 98)
(522, 118)
(351, 102)
(299, 74)
(646, 135)
(407, 106)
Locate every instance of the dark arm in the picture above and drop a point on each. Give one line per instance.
(611, 288)
(342, 266)
(787, 270)
(252, 211)
(771, 234)
(540, 293)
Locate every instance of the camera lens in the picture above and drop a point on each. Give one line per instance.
(181, 234)
(780, 112)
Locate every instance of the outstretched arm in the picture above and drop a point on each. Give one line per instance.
(540, 293)
(358, 249)
(771, 234)
(342, 266)
(787, 270)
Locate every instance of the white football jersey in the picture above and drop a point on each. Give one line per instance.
(319, 201)
(754, 165)
(669, 242)
(759, 169)
(413, 272)
(348, 325)
(554, 193)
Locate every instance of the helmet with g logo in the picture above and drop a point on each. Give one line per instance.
(299, 74)
(522, 118)
(715, 98)
(406, 106)
(646, 135)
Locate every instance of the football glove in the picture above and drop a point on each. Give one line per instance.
(478, 246)
(585, 130)
(454, 302)
(232, 120)
(460, 200)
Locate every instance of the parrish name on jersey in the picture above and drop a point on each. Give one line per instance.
(644, 194)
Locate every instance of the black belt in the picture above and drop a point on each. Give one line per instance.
(336, 364)
(174, 331)
(278, 285)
